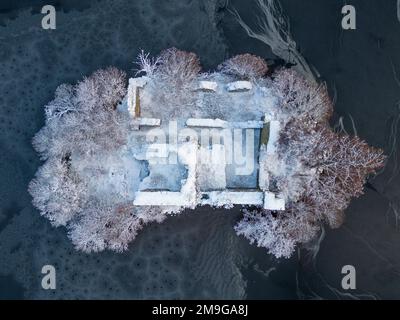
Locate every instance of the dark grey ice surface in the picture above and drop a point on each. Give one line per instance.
(197, 255)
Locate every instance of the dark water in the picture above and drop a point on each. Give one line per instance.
(196, 255)
(9, 9)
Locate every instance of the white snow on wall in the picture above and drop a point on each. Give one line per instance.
(187, 154)
(161, 198)
(239, 86)
(222, 198)
(251, 124)
(133, 84)
(273, 202)
(263, 176)
(207, 85)
(218, 123)
(206, 123)
(149, 122)
(274, 129)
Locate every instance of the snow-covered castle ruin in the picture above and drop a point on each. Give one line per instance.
(206, 173)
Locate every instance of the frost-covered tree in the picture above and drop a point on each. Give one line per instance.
(103, 90)
(58, 192)
(82, 127)
(343, 164)
(244, 66)
(63, 103)
(301, 98)
(147, 65)
(82, 118)
(262, 229)
(177, 66)
(103, 226)
(173, 74)
(173, 68)
(321, 171)
(279, 233)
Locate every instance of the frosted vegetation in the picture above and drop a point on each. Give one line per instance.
(90, 177)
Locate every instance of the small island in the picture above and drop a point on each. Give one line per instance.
(120, 154)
